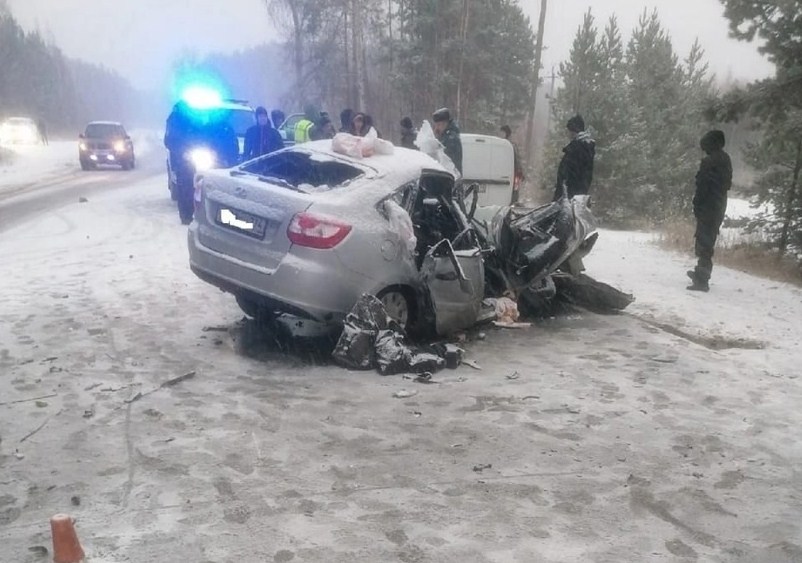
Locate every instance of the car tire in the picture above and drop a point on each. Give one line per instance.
(257, 312)
(399, 303)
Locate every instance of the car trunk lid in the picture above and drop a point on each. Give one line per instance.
(246, 218)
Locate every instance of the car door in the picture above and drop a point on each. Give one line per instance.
(452, 279)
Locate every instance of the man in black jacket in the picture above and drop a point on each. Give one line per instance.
(262, 138)
(447, 132)
(713, 180)
(576, 166)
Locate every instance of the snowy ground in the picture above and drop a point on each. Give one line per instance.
(666, 434)
(31, 165)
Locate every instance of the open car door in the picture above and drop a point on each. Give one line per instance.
(452, 269)
(455, 283)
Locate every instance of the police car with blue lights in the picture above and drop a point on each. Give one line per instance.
(200, 132)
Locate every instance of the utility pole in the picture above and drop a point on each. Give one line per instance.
(551, 97)
(530, 123)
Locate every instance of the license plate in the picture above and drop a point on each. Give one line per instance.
(242, 222)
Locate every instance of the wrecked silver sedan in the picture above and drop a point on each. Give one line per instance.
(306, 231)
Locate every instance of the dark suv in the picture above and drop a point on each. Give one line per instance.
(106, 142)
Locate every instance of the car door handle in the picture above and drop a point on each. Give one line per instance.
(448, 276)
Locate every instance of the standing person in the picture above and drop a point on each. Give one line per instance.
(346, 120)
(180, 132)
(277, 117)
(408, 134)
(42, 129)
(447, 132)
(302, 128)
(261, 138)
(518, 169)
(713, 180)
(576, 167)
(358, 127)
(323, 129)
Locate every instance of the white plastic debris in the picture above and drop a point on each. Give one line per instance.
(506, 310)
(361, 147)
(428, 144)
(347, 144)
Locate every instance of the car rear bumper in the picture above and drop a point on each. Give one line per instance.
(297, 286)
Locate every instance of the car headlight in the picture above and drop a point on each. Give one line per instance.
(82, 146)
(202, 159)
(119, 146)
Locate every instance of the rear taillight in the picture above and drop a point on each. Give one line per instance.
(198, 197)
(317, 231)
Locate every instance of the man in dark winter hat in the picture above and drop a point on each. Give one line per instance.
(277, 117)
(576, 167)
(262, 138)
(346, 120)
(408, 134)
(713, 180)
(447, 132)
(323, 129)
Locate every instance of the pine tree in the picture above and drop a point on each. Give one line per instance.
(644, 108)
(775, 105)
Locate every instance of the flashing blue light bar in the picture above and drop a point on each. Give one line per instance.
(200, 97)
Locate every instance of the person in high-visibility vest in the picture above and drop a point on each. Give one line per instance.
(303, 127)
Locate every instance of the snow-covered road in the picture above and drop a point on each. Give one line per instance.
(32, 166)
(666, 434)
(39, 179)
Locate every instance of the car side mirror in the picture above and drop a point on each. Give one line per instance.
(128, 137)
(80, 135)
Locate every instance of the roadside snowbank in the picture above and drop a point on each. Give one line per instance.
(30, 164)
(740, 312)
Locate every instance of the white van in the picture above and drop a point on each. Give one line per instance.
(490, 162)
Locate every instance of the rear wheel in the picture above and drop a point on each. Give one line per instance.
(399, 305)
(259, 313)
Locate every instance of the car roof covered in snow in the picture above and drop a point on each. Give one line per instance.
(105, 123)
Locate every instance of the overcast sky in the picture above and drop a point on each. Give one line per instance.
(140, 38)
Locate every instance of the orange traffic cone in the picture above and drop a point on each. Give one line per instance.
(66, 547)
